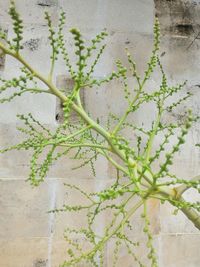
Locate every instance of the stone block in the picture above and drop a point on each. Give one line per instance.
(179, 250)
(24, 252)
(24, 210)
(12, 165)
(60, 254)
(178, 18)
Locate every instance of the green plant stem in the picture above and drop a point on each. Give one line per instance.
(130, 213)
(152, 136)
(64, 139)
(37, 90)
(83, 145)
(78, 98)
(117, 165)
(175, 195)
(116, 215)
(52, 67)
(191, 214)
(123, 118)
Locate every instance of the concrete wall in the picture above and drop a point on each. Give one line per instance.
(28, 235)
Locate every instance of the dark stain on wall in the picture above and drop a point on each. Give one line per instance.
(40, 263)
(178, 17)
(179, 22)
(46, 3)
(32, 44)
(184, 28)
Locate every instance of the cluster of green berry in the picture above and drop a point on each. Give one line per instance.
(17, 28)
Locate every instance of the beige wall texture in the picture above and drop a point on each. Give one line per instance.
(31, 237)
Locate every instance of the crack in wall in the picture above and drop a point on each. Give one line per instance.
(46, 3)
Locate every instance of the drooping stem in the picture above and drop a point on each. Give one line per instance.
(192, 215)
(184, 187)
(176, 195)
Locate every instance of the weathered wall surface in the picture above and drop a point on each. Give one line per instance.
(29, 237)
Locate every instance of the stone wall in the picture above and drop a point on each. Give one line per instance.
(29, 236)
